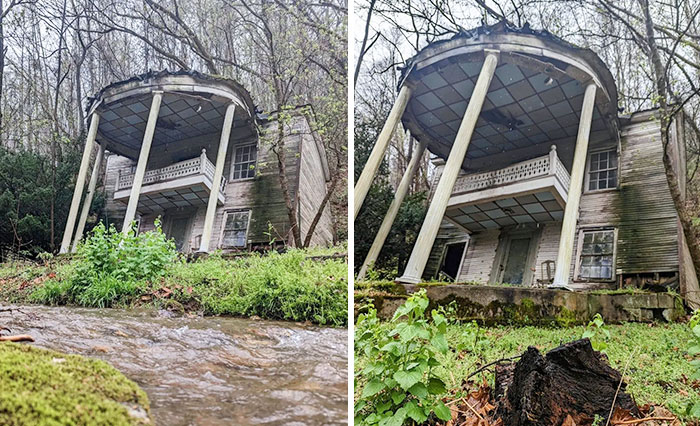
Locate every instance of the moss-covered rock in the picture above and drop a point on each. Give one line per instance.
(43, 387)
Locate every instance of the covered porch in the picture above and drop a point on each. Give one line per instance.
(512, 112)
(175, 128)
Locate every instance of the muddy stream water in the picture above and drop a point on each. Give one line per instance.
(206, 371)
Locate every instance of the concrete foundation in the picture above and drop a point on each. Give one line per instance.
(514, 305)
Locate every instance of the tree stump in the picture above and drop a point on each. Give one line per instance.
(571, 380)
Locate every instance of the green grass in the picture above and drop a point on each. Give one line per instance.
(288, 286)
(91, 391)
(656, 373)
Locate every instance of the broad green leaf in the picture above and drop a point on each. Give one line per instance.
(440, 343)
(419, 390)
(396, 420)
(694, 350)
(442, 411)
(436, 386)
(406, 379)
(397, 397)
(415, 412)
(372, 387)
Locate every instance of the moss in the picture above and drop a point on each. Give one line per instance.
(566, 317)
(42, 387)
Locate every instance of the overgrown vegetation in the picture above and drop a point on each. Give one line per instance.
(660, 373)
(113, 270)
(399, 380)
(92, 392)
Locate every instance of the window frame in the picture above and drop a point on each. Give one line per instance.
(579, 254)
(587, 177)
(233, 161)
(223, 228)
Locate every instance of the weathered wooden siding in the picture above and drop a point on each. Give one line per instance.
(641, 209)
(312, 182)
(480, 255)
(547, 248)
(262, 194)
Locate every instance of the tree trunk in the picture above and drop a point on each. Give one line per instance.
(572, 380)
(665, 119)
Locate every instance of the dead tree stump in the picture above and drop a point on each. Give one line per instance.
(571, 380)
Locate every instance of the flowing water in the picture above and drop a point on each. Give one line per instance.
(206, 371)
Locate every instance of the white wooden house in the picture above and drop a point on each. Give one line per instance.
(187, 147)
(540, 180)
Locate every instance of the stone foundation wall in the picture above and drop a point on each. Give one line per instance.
(498, 304)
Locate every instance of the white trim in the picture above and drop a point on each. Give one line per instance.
(223, 228)
(587, 175)
(233, 160)
(579, 250)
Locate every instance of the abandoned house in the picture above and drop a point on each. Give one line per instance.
(188, 148)
(540, 180)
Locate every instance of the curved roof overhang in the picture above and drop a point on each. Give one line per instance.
(534, 99)
(193, 105)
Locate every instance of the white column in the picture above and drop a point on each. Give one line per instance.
(377, 154)
(578, 168)
(436, 211)
(385, 227)
(143, 160)
(216, 184)
(88, 197)
(80, 183)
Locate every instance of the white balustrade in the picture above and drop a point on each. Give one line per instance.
(537, 167)
(194, 166)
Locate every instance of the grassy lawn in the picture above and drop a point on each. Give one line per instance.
(657, 372)
(92, 392)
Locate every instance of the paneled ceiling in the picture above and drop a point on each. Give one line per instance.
(541, 207)
(523, 108)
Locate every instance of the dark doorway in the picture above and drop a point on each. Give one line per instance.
(452, 259)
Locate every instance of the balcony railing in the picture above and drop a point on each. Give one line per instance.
(547, 165)
(192, 167)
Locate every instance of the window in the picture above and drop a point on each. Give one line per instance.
(602, 170)
(597, 252)
(244, 159)
(236, 229)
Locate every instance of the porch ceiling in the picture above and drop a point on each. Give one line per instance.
(540, 207)
(154, 199)
(523, 108)
(534, 98)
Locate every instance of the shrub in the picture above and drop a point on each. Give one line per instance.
(111, 268)
(399, 380)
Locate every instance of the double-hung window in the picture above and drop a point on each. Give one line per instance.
(602, 170)
(236, 228)
(244, 161)
(597, 254)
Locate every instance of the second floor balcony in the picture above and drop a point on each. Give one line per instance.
(182, 184)
(531, 191)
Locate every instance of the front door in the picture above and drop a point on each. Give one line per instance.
(516, 260)
(178, 231)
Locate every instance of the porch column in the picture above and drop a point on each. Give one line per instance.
(377, 154)
(80, 183)
(385, 227)
(143, 160)
(436, 211)
(216, 183)
(568, 226)
(88, 197)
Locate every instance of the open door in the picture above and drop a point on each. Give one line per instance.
(452, 259)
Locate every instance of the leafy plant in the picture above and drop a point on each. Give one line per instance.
(399, 382)
(694, 351)
(597, 333)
